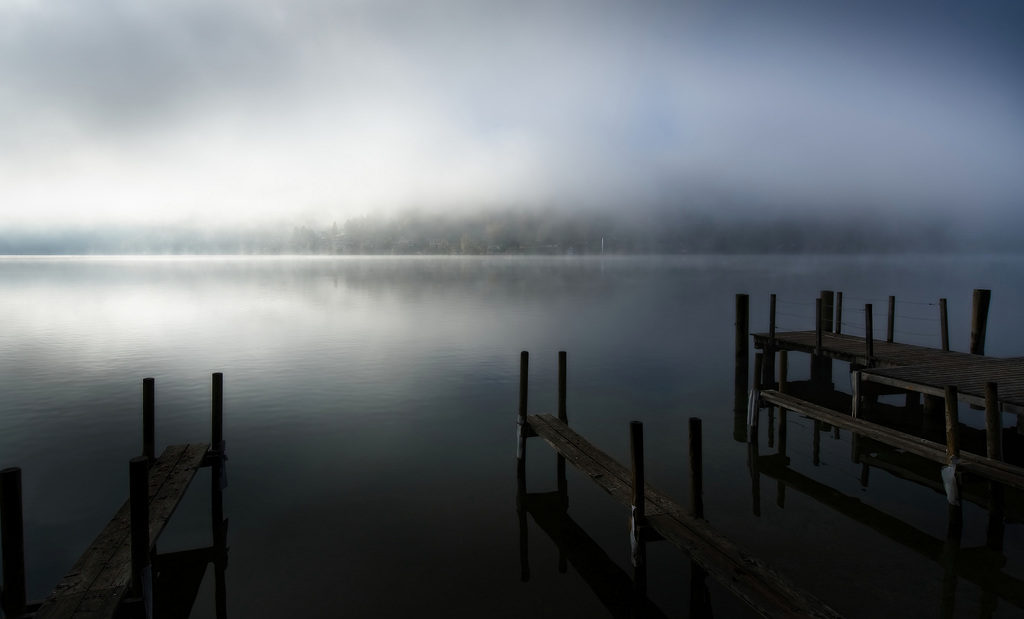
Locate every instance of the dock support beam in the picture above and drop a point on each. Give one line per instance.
(638, 519)
(956, 518)
(12, 541)
(979, 320)
(890, 331)
(839, 313)
(869, 332)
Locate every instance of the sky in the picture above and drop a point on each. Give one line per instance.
(220, 112)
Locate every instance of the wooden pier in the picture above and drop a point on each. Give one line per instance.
(654, 515)
(115, 576)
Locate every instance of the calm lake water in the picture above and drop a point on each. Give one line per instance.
(370, 409)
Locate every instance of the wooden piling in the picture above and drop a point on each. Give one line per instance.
(818, 326)
(524, 370)
(696, 467)
(564, 418)
(768, 377)
(12, 543)
(138, 497)
(827, 310)
(944, 325)
(839, 313)
(149, 419)
(742, 341)
(890, 331)
(217, 417)
(979, 320)
(783, 370)
(869, 331)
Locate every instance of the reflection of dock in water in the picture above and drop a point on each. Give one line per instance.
(610, 583)
(121, 574)
(654, 516)
(923, 444)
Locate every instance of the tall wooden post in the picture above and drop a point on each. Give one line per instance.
(890, 331)
(742, 341)
(869, 332)
(148, 419)
(696, 467)
(839, 313)
(564, 418)
(138, 498)
(739, 428)
(943, 324)
(979, 320)
(827, 311)
(524, 371)
(768, 378)
(12, 543)
(218, 481)
(217, 412)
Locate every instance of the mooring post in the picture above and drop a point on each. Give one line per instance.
(138, 498)
(563, 416)
(827, 310)
(869, 332)
(783, 370)
(839, 313)
(818, 326)
(218, 481)
(638, 519)
(217, 416)
(739, 429)
(943, 325)
(742, 341)
(890, 331)
(768, 378)
(979, 320)
(12, 541)
(148, 419)
(696, 467)
(950, 477)
(524, 371)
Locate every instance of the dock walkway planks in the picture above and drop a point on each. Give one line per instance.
(853, 349)
(763, 589)
(1007, 474)
(968, 376)
(99, 580)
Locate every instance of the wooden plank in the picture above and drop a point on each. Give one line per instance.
(763, 589)
(99, 579)
(1006, 474)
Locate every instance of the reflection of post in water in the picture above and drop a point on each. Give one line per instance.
(752, 439)
(218, 481)
(563, 486)
(521, 434)
(994, 449)
(638, 520)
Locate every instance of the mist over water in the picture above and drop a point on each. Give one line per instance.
(370, 405)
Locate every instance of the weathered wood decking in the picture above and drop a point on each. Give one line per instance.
(98, 582)
(853, 349)
(1007, 474)
(764, 590)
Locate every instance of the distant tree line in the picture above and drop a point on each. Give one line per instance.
(514, 232)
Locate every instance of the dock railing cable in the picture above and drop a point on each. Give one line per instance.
(913, 320)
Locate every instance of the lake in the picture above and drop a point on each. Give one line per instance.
(370, 407)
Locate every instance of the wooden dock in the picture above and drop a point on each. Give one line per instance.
(114, 577)
(657, 516)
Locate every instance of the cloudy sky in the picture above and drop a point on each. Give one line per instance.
(232, 110)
